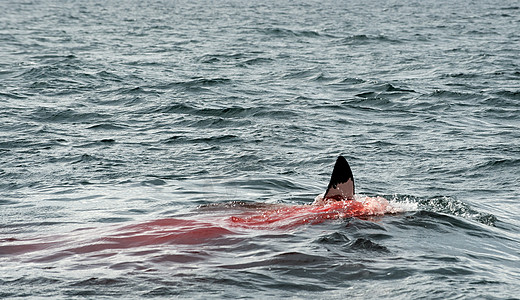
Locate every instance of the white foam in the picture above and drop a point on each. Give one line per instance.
(378, 205)
(395, 207)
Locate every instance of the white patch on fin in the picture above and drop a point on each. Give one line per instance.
(342, 191)
(341, 185)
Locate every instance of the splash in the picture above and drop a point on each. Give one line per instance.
(288, 216)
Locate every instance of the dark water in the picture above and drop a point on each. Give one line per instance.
(118, 113)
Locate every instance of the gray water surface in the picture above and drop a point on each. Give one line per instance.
(115, 113)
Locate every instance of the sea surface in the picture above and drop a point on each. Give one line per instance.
(132, 131)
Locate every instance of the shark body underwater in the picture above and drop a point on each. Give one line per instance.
(210, 223)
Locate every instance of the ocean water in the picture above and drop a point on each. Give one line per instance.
(132, 131)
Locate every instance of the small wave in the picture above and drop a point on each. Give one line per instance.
(193, 84)
(219, 139)
(440, 204)
(282, 259)
(500, 163)
(137, 90)
(66, 115)
(347, 82)
(513, 95)
(153, 182)
(197, 82)
(276, 114)
(113, 220)
(240, 59)
(109, 76)
(460, 75)
(361, 39)
(222, 112)
(359, 244)
(12, 95)
(510, 8)
(216, 122)
(368, 95)
(266, 184)
(54, 57)
(6, 37)
(445, 222)
(162, 292)
(391, 88)
(284, 32)
(28, 143)
(7, 202)
(255, 61)
(453, 95)
(213, 58)
(93, 144)
(227, 112)
(86, 158)
(216, 139)
(322, 77)
(299, 74)
(95, 281)
(385, 91)
(15, 144)
(180, 258)
(176, 108)
(106, 126)
(333, 238)
(457, 208)
(364, 244)
(55, 70)
(502, 100)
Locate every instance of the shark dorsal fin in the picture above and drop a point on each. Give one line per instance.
(341, 185)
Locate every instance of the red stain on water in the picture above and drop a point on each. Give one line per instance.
(208, 228)
(285, 217)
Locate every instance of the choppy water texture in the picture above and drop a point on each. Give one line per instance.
(131, 131)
